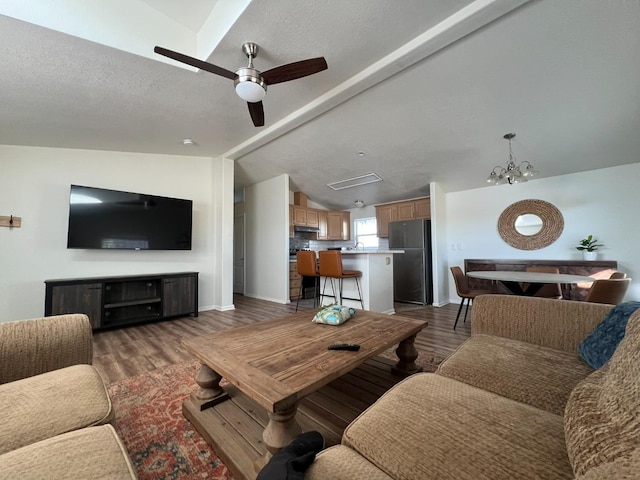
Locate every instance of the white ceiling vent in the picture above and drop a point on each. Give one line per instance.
(355, 181)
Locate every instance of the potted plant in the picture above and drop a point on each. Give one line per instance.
(589, 247)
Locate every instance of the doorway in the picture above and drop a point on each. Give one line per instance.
(238, 254)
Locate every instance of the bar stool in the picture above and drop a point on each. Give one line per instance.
(308, 267)
(331, 268)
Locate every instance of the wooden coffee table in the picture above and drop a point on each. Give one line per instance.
(276, 363)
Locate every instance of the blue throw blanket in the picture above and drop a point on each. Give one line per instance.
(600, 344)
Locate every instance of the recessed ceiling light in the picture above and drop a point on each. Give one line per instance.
(361, 153)
(188, 141)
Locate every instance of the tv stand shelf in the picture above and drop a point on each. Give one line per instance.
(133, 302)
(124, 300)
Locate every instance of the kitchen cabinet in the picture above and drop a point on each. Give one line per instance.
(322, 225)
(299, 215)
(423, 208)
(295, 279)
(346, 226)
(303, 216)
(406, 211)
(312, 218)
(332, 225)
(399, 211)
(338, 225)
(384, 215)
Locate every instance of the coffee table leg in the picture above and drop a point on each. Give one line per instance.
(281, 429)
(407, 354)
(209, 392)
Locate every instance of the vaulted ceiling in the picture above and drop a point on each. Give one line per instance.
(424, 89)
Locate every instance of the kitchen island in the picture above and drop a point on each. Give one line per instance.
(376, 281)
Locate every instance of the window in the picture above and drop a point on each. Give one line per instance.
(366, 232)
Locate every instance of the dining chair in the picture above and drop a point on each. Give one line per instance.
(307, 266)
(330, 267)
(608, 290)
(617, 274)
(548, 290)
(463, 291)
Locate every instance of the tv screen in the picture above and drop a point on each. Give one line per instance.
(100, 218)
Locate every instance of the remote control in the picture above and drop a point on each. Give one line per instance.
(354, 347)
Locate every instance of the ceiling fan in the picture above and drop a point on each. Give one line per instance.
(251, 84)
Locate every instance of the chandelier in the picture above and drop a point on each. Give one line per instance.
(512, 173)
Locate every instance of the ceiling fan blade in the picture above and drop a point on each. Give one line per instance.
(194, 62)
(256, 110)
(292, 71)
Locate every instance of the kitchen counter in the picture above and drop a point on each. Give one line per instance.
(376, 282)
(372, 252)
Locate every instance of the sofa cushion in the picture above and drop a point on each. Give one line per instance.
(602, 418)
(603, 340)
(532, 374)
(90, 453)
(51, 403)
(342, 463)
(430, 426)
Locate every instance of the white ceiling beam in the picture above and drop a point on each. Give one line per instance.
(462, 23)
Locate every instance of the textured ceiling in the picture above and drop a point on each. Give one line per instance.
(425, 89)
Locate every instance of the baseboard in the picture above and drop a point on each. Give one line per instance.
(221, 308)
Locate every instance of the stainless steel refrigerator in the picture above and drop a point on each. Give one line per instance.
(412, 278)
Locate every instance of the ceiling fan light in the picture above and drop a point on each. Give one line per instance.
(250, 91)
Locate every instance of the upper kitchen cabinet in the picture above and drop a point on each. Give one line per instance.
(384, 215)
(312, 218)
(408, 210)
(306, 217)
(323, 225)
(423, 208)
(331, 225)
(338, 225)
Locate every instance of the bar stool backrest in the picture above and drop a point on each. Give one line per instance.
(330, 263)
(307, 266)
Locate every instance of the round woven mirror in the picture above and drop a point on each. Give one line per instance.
(550, 216)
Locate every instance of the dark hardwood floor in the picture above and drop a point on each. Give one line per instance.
(130, 351)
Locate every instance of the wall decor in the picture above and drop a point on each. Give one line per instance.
(530, 224)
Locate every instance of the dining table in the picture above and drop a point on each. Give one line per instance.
(528, 283)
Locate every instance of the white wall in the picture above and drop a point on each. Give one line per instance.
(222, 218)
(439, 244)
(599, 202)
(34, 185)
(266, 206)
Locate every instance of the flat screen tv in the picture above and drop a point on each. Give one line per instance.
(110, 219)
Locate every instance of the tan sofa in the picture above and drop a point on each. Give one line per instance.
(54, 406)
(513, 402)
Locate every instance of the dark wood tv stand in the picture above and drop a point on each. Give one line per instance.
(124, 300)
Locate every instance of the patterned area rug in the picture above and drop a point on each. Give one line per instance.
(162, 443)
